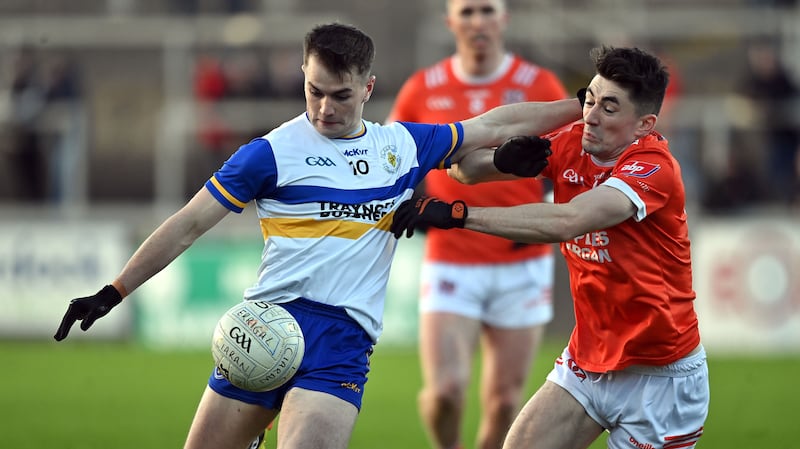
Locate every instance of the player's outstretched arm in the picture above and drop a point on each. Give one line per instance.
(166, 243)
(593, 210)
(596, 209)
(495, 126)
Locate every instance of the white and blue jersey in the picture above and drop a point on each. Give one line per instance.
(325, 206)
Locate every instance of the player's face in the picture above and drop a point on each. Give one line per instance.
(612, 122)
(478, 25)
(334, 104)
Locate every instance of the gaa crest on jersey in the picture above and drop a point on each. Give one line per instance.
(390, 159)
(639, 169)
(512, 96)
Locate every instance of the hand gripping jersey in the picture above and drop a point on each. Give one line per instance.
(438, 94)
(631, 283)
(325, 206)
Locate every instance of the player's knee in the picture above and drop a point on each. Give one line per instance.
(502, 407)
(444, 394)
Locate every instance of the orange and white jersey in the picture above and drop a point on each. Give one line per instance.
(631, 283)
(439, 94)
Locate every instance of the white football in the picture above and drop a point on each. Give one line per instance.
(257, 346)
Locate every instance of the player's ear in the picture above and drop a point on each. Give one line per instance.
(370, 86)
(448, 22)
(647, 123)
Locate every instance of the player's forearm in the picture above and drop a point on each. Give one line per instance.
(529, 118)
(478, 166)
(171, 239)
(166, 243)
(528, 223)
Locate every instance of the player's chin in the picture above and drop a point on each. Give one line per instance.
(590, 141)
(328, 129)
(481, 41)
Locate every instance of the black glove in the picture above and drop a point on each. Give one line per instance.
(427, 211)
(88, 310)
(581, 94)
(524, 156)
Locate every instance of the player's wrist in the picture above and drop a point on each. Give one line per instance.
(120, 288)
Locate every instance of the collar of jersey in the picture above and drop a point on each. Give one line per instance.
(361, 131)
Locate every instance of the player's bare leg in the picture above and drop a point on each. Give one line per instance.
(552, 419)
(315, 420)
(225, 423)
(447, 345)
(508, 355)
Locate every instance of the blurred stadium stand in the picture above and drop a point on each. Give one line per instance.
(137, 60)
(131, 147)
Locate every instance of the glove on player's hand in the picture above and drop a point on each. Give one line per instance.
(524, 156)
(427, 211)
(88, 310)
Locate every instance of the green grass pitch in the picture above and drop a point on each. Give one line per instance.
(77, 395)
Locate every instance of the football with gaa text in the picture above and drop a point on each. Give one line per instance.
(257, 346)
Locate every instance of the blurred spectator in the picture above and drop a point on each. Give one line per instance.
(245, 76)
(683, 140)
(62, 88)
(240, 76)
(43, 128)
(284, 67)
(774, 95)
(62, 80)
(213, 133)
(25, 160)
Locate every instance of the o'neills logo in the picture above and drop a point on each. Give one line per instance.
(640, 445)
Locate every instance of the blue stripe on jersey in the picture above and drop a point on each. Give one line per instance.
(431, 162)
(309, 194)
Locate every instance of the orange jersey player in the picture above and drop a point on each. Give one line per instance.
(634, 365)
(601, 262)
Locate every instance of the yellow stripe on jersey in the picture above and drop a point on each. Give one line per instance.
(454, 141)
(227, 195)
(308, 228)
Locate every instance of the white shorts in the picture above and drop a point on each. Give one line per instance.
(513, 295)
(642, 406)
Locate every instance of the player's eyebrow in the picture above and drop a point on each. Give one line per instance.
(469, 10)
(345, 90)
(610, 99)
(607, 99)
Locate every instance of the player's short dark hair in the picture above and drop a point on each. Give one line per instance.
(340, 48)
(637, 71)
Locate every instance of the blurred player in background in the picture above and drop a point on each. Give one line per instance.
(325, 184)
(478, 287)
(634, 364)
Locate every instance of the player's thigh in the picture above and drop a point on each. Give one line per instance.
(521, 293)
(507, 356)
(454, 288)
(313, 419)
(552, 419)
(676, 411)
(447, 344)
(221, 422)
